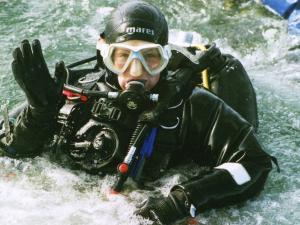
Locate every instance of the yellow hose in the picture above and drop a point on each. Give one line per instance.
(204, 74)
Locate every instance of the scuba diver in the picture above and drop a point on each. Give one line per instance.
(140, 111)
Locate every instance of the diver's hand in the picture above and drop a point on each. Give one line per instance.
(32, 74)
(199, 60)
(164, 211)
(211, 58)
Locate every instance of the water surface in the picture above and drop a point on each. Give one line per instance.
(40, 192)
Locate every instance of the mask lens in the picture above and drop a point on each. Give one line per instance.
(152, 57)
(119, 57)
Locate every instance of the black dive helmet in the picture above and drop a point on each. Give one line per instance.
(137, 20)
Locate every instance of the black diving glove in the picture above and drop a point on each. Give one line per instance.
(31, 73)
(199, 60)
(212, 59)
(180, 83)
(165, 210)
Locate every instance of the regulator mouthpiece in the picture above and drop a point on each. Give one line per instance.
(134, 97)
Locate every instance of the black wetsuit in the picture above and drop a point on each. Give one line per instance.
(201, 128)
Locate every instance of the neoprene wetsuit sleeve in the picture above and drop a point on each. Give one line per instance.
(239, 166)
(29, 134)
(232, 84)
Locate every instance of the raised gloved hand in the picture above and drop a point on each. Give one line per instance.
(180, 83)
(165, 210)
(199, 60)
(212, 59)
(32, 74)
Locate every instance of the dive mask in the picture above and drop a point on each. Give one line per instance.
(118, 56)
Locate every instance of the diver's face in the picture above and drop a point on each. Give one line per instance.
(135, 69)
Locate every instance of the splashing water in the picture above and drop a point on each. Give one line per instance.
(40, 192)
